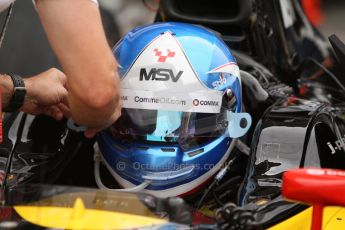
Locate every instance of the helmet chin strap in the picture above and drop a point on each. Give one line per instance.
(98, 159)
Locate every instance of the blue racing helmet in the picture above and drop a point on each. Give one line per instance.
(182, 109)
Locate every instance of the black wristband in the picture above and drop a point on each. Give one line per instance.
(19, 92)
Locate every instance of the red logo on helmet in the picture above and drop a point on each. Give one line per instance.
(163, 58)
(196, 102)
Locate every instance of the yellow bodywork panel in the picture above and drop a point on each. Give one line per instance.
(80, 218)
(333, 219)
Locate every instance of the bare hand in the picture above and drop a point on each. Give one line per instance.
(91, 132)
(46, 94)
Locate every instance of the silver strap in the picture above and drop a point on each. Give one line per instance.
(4, 27)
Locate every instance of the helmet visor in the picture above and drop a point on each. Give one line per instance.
(187, 129)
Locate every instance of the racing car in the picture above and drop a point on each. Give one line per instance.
(297, 111)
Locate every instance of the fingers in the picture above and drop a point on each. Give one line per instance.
(55, 73)
(65, 110)
(58, 112)
(62, 77)
(54, 112)
(63, 96)
(46, 94)
(91, 132)
(65, 101)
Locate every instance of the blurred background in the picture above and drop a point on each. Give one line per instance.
(334, 21)
(26, 51)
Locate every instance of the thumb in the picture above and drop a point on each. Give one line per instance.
(91, 132)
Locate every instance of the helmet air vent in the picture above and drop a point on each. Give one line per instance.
(143, 148)
(170, 150)
(195, 152)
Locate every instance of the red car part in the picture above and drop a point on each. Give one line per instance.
(313, 11)
(319, 187)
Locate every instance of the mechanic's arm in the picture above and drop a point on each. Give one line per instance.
(75, 32)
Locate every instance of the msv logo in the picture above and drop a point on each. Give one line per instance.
(156, 74)
(160, 74)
